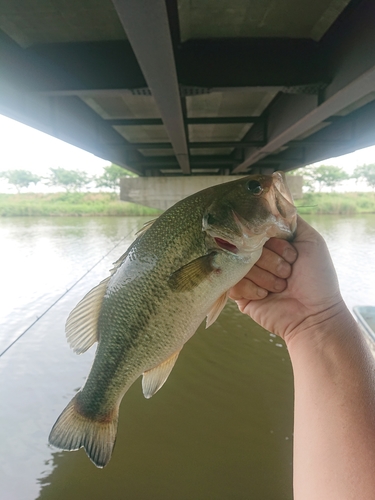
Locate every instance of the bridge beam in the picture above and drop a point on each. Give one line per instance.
(147, 27)
(352, 59)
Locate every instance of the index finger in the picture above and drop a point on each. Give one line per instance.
(283, 248)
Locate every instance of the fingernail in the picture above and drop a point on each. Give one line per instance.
(279, 285)
(290, 255)
(283, 269)
(262, 293)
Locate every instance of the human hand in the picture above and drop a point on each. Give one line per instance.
(308, 294)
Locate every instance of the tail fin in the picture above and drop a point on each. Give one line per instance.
(73, 431)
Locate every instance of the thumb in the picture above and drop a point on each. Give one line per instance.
(305, 232)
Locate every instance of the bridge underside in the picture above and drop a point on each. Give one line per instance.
(177, 87)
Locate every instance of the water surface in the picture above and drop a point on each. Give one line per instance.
(220, 428)
(351, 241)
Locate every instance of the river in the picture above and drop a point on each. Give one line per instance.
(221, 427)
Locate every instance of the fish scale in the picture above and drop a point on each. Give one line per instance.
(177, 272)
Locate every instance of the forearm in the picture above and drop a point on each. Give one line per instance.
(334, 428)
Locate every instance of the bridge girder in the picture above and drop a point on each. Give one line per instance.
(156, 102)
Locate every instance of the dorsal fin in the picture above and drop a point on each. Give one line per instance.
(145, 226)
(82, 324)
(154, 379)
(216, 309)
(118, 263)
(139, 233)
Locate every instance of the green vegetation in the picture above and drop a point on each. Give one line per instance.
(80, 204)
(329, 176)
(70, 180)
(336, 203)
(20, 178)
(73, 202)
(111, 177)
(86, 204)
(366, 173)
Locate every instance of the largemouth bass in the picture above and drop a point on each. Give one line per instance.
(177, 272)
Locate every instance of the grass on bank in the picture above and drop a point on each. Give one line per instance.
(336, 203)
(86, 204)
(67, 204)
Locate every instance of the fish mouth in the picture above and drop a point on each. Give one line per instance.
(226, 245)
(293, 233)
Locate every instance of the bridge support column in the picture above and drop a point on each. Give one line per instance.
(163, 192)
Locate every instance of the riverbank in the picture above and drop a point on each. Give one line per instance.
(336, 203)
(90, 204)
(67, 204)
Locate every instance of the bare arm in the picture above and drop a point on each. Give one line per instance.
(334, 372)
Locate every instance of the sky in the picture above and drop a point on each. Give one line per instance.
(25, 148)
(22, 147)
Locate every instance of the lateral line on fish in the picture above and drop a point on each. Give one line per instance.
(63, 295)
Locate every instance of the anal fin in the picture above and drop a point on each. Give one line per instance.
(155, 378)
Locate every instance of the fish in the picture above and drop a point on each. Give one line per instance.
(176, 273)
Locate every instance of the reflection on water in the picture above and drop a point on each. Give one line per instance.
(220, 428)
(42, 257)
(351, 241)
(211, 432)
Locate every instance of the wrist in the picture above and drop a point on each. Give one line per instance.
(332, 349)
(324, 326)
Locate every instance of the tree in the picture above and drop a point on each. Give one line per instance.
(70, 180)
(329, 175)
(111, 177)
(367, 173)
(20, 178)
(307, 174)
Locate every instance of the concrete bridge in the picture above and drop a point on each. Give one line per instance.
(176, 88)
(163, 192)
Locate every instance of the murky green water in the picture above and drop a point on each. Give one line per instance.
(220, 428)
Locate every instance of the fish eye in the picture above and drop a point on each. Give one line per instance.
(255, 188)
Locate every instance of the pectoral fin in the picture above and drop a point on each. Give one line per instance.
(216, 309)
(154, 379)
(192, 274)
